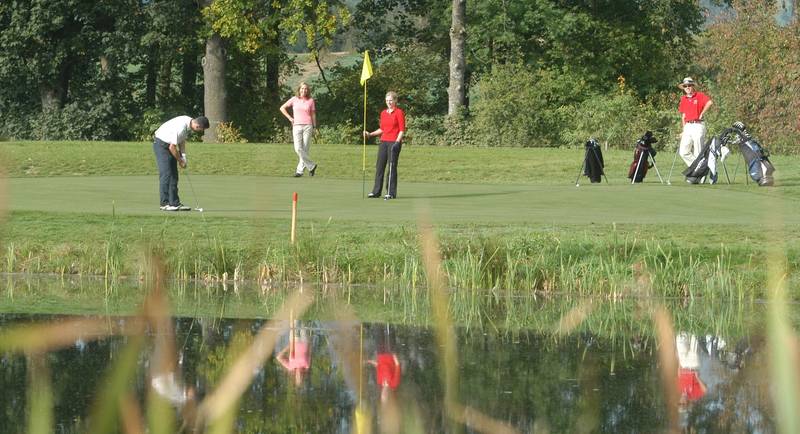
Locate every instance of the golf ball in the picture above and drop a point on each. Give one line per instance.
(200, 209)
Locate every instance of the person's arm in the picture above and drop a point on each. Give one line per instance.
(377, 132)
(282, 359)
(705, 109)
(285, 113)
(176, 152)
(401, 121)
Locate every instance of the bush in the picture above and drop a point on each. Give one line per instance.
(345, 133)
(229, 133)
(145, 129)
(73, 122)
(618, 119)
(424, 130)
(417, 74)
(513, 106)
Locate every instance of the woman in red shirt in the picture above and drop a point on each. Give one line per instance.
(392, 128)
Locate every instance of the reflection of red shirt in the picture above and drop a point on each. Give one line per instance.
(387, 370)
(689, 385)
(392, 124)
(300, 359)
(692, 106)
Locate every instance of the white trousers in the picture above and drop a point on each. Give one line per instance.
(692, 138)
(302, 143)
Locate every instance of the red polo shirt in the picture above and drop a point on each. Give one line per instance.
(689, 385)
(387, 370)
(392, 124)
(692, 106)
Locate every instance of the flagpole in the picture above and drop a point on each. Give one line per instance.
(366, 73)
(364, 147)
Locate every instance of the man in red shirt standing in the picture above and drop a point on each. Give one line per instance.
(392, 128)
(692, 107)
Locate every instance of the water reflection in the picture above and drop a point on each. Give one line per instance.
(295, 356)
(532, 381)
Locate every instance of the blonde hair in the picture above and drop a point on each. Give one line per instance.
(299, 86)
(392, 94)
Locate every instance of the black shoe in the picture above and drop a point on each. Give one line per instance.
(297, 175)
(373, 195)
(312, 171)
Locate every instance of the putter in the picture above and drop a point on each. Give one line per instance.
(194, 193)
(669, 177)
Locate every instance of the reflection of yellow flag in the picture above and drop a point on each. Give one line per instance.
(363, 420)
(366, 70)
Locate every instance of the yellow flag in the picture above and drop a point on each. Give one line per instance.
(366, 70)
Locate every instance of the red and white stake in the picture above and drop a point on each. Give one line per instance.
(294, 215)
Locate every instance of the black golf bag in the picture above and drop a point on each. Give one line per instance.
(641, 157)
(700, 168)
(593, 161)
(755, 156)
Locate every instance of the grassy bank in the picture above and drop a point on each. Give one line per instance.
(508, 219)
(544, 259)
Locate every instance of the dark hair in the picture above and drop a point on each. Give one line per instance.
(202, 121)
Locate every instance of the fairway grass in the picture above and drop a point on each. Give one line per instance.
(507, 218)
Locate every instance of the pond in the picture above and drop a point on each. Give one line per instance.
(324, 370)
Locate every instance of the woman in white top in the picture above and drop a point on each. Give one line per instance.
(304, 120)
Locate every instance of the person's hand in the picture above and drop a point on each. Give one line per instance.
(182, 163)
(366, 134)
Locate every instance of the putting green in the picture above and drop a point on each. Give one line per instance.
(337, 199)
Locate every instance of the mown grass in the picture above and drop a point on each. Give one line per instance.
(536, 166)
(530, 242)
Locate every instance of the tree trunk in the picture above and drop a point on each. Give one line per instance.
(54, 94)
(273, 60)
(151, 80)
(164, 82)
(214, 95)
(189, 70)
(456, 93)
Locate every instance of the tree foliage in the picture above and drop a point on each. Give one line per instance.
(754, 69)
(643, 40)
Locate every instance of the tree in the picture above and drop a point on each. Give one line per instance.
(753, 64)
(215, 95)
(456, 93)
(256, 29)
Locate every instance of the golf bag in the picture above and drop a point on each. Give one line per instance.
(641, 157)
(593, 161)
(705, 165)
(755, 156)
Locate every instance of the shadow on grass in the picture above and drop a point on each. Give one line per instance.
(443, 196)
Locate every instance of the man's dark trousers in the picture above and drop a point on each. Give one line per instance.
(167, 174)
(390, 151)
